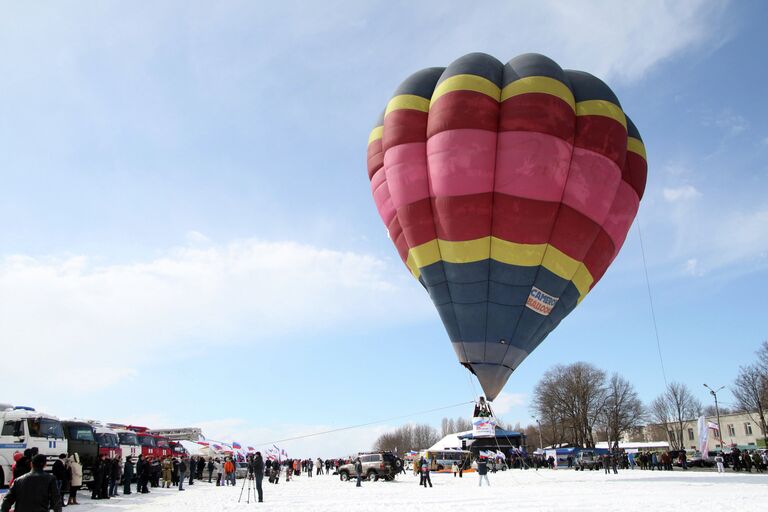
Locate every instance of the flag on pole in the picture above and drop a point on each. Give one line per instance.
(703, 436)
(236, 445)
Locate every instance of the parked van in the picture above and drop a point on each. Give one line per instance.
(23, 428)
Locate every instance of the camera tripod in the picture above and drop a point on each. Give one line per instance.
(251, 487)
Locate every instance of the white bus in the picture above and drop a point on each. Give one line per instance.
(444, 459)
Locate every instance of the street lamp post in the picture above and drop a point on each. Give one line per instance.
(541, 443)
(713, 392)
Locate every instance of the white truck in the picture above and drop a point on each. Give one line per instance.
(129, 442)
(22, 428)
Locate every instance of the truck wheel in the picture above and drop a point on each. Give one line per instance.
(344, 476)
(372, 476)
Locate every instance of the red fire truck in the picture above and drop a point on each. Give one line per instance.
(109, 442)
(151, 445)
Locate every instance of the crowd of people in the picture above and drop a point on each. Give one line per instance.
(60, 487)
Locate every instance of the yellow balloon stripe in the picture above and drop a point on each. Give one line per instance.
(407, 101)
(511, 253)
(601, 108)
(467, 83)
(376, 134)
(636, 146)
(539, 84)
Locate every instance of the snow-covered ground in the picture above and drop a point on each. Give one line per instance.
(561, 490)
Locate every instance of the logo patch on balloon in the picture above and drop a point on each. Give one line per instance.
(541, 302)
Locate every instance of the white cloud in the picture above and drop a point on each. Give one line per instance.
(693, 267)
(506, 402)
(613, 40)
(196, 237)
(731, 123)
(682, 193)
(73, 310)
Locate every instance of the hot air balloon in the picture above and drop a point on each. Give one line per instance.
(507, 190)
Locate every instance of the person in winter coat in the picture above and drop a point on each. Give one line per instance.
(33, 491)
(106, 470)
(229, 468)
(258, 474)
(425, 479)
(482, 470)
(116, 473)
(200, 467)
(98, 475)
(167, 472)
(359, 471)
(219, 468)
(192, 469)
(210, 468)
(127, 476)
(23, 464)
(144, 475)
(182, 473)
(76, 478)
(719, 461)
(174, 472)
(455, 469)
(59, 471)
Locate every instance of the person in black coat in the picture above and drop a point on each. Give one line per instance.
(23, 465)
(192, 469)
(59, 471)
(98, 475)
(144, 475)
(33, 491)
(210, 469)
(127, 476)
(106, 473)
(258, 474)
(182, 473)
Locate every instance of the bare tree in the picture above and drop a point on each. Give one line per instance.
(762, 359)
(623, 409)
(661, 415)
(751, 391)
(711, 410)
(407, 437)
(569, 400)
(673, 409)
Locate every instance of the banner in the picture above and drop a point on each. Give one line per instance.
(483, 427)
(703, 436)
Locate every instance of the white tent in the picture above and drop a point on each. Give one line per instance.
(449, 442)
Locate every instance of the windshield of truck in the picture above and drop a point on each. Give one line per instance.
(128, 438)
(107, 440)
(147, 441)
(162, 443)
(80, 433)
(45, 427)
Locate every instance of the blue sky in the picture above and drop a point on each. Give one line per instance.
(187, 235)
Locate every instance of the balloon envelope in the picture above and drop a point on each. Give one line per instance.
(507, 190)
